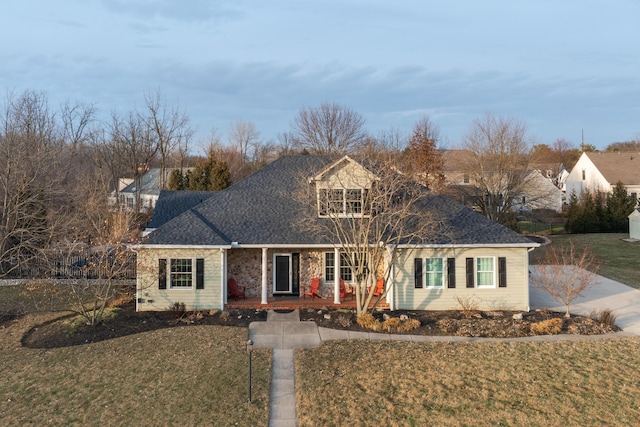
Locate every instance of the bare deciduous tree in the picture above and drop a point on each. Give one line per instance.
(566, 273)
(498, 164)
(170, 129)
(329, 129)
(105, 262)
(133, 141)
(244, 136)
(370, 225)
(31, 149)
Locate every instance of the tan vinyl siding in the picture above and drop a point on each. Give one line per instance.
(150, 298)
(514, 297)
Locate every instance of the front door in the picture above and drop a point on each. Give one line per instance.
(282, 283)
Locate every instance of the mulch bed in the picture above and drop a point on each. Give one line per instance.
(62, 332)
(494, 324)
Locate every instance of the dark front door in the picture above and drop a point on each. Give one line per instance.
(282, 282)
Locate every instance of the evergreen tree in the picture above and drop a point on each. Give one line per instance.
(210, 175)
(176, 180)
(601, 224)
(619, 205)
(573, 213)
(589, 215)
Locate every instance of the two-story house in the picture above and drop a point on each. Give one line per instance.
(251, 231)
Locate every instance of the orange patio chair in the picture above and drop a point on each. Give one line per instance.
(313, 289)
(344, 292)
(379, 289)
(233, 290)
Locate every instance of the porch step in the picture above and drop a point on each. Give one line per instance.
(283, 316)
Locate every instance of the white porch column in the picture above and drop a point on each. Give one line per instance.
(265, 292)
(392, 278)
(223, 278)
(336, 276)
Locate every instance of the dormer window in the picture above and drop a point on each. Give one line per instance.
(342, 202)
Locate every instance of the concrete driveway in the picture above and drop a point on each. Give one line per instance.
(622, 300)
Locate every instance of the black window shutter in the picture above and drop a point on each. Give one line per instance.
(200, 273)
(502, 272)
(162, 274)
(470, 273)
(451, 272)
(295, 267)
(417, 272)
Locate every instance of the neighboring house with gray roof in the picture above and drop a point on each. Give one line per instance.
(249, 232)
(600, 172)
(147, 188)
(542, 186)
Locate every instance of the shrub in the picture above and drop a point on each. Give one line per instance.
(344, 320)
(547, 327)
(392, 324)
(178, 307)
(395, 324)
(468, 305)
(367, 321)
(225, 315)
(604, 317)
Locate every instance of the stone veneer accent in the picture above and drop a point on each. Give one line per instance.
(245, 265)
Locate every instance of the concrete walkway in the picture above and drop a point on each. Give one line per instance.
(284, 332)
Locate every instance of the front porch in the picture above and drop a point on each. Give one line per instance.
(294, 302)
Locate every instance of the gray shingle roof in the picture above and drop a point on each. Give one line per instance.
(170, 204)
(260, 210)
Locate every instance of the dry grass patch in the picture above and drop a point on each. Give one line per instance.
(361, 383)
(193, 375)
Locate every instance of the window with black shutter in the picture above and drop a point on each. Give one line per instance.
(417, 272)
(502, 272)
(162, 274)
(200, 273)
(470, 274)
(451, 272)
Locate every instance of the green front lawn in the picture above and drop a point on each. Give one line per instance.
(619, 259)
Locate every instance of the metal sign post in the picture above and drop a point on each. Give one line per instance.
(249, 351)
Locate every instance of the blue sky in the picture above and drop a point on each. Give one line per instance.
(562, 67)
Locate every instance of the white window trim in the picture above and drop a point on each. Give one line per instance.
(343, 213)
(193, 275)
(324, 269)
(337, 269)
(443, 272)
(494, 281)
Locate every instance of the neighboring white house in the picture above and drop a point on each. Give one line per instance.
(600, 172)
(634, 224)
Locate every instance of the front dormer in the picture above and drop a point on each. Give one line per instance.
(342, 190)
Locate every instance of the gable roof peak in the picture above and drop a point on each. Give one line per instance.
(335, 164)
